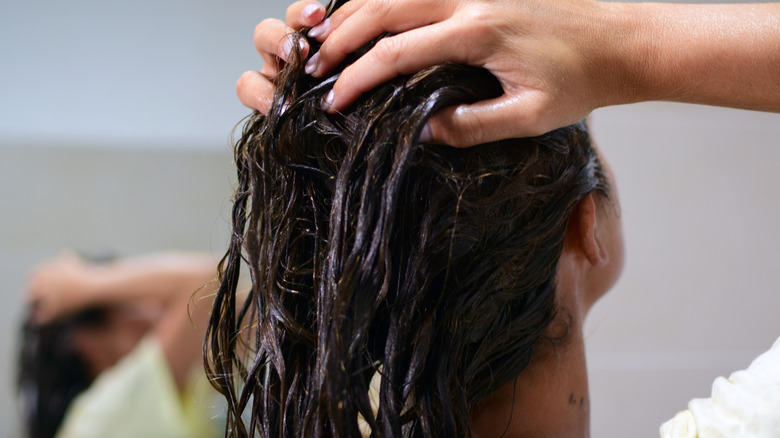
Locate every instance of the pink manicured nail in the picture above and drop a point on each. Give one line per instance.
(426, 135)
(287, 46)
(311, 64)
(319, 29)
(327, 102)
(309, 10)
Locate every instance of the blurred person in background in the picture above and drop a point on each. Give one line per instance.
(113, 348)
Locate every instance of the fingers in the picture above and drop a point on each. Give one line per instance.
(304, 13)
(273, 41)
(323, 29)
(405, 53)
(272, 36)
(490, 120)
(255, 91)
(357, 23)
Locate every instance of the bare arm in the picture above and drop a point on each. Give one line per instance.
(724, 55)
(180, 284)
(67, 284)
(557, 61)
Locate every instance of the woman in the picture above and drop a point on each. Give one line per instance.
(459, 279)
(109, 349)
(556, 61)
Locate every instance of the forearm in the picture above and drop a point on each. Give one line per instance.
(722, 54)
(184, 284)
(160, 277)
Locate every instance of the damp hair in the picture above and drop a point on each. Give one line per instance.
(52, 372)
(370, 252)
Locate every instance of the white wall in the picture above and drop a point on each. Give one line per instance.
(114, 126)
(114, 118)
(159, 71)
(700, 292)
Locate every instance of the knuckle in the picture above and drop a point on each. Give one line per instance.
(388, 50)
(478, 26)
(478, 16)
(379, 8)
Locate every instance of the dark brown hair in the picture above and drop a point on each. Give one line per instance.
(371, 252)
(52, 372)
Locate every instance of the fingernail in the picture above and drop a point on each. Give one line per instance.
(426, 135)
(311, 64)
(287, 46)
(327, 102)
(319, 29)
(309, 10)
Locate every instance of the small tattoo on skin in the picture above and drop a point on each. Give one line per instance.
(572, 399)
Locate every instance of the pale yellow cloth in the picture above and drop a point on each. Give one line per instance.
(747, 404)
(138, 398)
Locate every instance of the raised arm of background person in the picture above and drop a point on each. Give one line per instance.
(67, 284)
(557, 60)
(181, 284)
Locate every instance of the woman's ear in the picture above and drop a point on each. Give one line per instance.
(583, 232)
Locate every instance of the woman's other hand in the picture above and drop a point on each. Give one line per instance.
(272, 40)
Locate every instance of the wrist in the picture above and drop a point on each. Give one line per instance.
(96, 285)
(623, 50)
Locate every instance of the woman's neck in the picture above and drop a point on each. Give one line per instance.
(548, 399)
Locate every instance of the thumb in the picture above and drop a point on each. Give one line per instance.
(489, 120)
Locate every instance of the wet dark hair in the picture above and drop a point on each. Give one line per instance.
(51, 371)
(370, 252)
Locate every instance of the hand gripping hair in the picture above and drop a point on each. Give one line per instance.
(372, 253)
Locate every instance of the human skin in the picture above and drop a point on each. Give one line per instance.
(557, 61)
(166, 294)
(550, 398)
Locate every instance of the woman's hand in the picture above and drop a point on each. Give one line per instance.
(557, 60)
(542, 52)
(272, 40)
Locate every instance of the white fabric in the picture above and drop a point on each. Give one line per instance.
(747, 404)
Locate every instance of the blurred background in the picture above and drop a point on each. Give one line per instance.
(115, 120)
